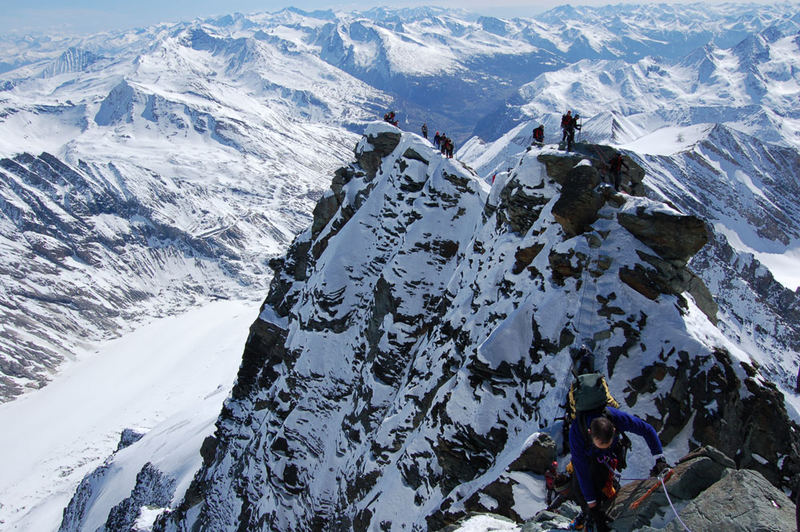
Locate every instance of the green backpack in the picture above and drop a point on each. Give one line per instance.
(589, 393)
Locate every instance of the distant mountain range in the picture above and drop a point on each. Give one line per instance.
(149, 171)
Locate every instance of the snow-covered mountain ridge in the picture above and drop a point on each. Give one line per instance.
(744, 188)
(170, 148)
(751, 86)
(170, 171)
(254, 109)
(454, 345)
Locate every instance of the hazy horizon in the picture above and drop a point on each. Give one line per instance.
(94, 16)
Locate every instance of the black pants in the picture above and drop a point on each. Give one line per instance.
(599, 475)
(617, 178)
(570, 140)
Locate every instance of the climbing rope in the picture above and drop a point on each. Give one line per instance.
(661, 479)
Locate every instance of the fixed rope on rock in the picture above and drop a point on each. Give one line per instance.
(663, 485)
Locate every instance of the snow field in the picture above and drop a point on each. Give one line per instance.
(169, 377)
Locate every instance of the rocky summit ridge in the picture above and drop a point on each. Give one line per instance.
(419, 332)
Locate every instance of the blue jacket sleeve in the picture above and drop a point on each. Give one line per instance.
(628, 423)
(580, 462)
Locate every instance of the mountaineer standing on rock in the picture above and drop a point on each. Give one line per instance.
(616, 165)
(597, 442)
(538, 135)
(572, 127)
(566, 119)
(425, 130)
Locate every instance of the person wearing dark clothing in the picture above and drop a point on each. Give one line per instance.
(390, 117)
(538, 134)
(571, 128)
(599, 451)
(616, 165)
(436, 139)
(550, 480)
(443, 144)
(450, 148)
(565, 122)
(797, 386)
(425, 130)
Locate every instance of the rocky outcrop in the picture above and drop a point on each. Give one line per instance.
(420, 331)
(90, 488)
(539, 452)
(711, 494)
(371, 151)
(672, 236)
(579, 203)
(705, 488)
(152, 488)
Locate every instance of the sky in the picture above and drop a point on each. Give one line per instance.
(92, 16)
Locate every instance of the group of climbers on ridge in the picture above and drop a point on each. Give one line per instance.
(569, 124)
(391, 118)
(444, 144)
(441, 141)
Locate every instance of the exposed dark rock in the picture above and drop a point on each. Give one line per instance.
(668, 277)
(742, 501)
(707, 490)
(467, 454)
(153, 488)
(410, 153)
(524, 256)
(208, 448)
(381, 145)
(264, 349)
(672, 236)
(295, 267)
(576, 209)
(754, 427)
(559, 167)
(537, 457)
(562, 268)
(499, 495)
(75, 512)
(518, 208)
(691, 476)
(324, 212)
(128, 438)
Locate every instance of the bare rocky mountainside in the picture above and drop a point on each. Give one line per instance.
(418, 333)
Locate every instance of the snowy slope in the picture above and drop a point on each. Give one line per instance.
(420, 331)
(170, 171)
(181, 158)
(219, 132)
(752, 86)
(745, 188)
(166, 379)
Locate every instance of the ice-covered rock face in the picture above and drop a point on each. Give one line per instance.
(414, 339)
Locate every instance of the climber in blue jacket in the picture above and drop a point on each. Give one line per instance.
(599, 446)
